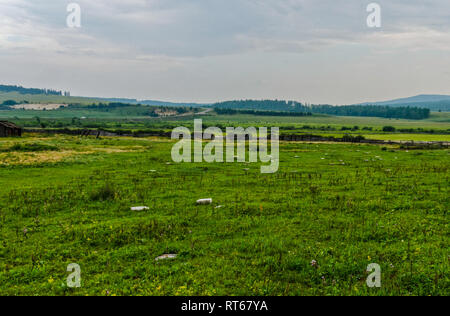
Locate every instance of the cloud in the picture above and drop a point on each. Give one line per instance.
(188, 42)
(198, 28)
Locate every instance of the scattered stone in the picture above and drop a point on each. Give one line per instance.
(165, 257)
(204, 201)
(140, 208)
(219, 206)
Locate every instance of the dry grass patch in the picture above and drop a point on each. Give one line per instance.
(20, 158)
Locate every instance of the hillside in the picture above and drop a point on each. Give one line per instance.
(432, 102)
(416, 99)
(35, 95)
(153, 102)
(43, 98)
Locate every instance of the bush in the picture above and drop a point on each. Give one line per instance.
(9, 102)
(389, 129)
(106, 192)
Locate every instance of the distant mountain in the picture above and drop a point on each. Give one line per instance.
(417, 99)
(433, 102)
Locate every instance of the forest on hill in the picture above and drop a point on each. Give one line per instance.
(437, 106)
(291, 108)
(411, 113)
(22, 90)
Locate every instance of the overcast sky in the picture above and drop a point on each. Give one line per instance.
(317, 51)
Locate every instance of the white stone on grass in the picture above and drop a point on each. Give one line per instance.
(165, 257)
(140, 208)
(204, 201)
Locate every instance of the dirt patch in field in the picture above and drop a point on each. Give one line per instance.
(119, 149)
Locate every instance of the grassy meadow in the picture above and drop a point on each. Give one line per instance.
(134, 120)
(310, 229)
(43, 98)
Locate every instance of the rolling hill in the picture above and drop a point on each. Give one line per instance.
(434, 102)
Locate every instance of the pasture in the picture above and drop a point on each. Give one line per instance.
(310, 229)
(136, 119)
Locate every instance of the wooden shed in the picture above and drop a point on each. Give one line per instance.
(8, 129)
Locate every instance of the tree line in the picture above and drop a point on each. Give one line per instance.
(267, 105)
(263, 113)
(374, 111)
(138, 109)
(34, 91)
(290, 107)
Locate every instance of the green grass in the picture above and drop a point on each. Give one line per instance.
(437, 120)
(42, 98)
(29, 147)
(409, 137)
(359, 204)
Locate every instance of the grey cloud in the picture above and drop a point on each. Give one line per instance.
(216, 27)
(175, 39)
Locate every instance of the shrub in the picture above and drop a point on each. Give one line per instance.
(105, 192)
(389, 129)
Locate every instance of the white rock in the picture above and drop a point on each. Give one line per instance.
(140, 208)
(204, 201)
(164, 257)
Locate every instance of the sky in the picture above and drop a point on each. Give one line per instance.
(314, 51)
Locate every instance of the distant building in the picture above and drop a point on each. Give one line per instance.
(67, 93)
(8, 129)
